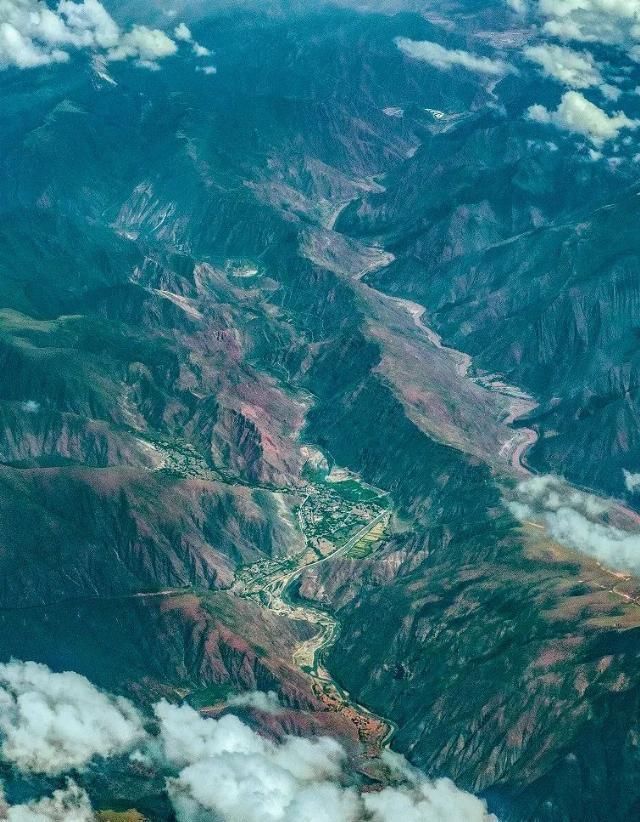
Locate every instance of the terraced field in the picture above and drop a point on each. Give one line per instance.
(269, 583)
(367, 544)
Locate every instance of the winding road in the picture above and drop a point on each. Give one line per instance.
(273, 593)
(272, 589)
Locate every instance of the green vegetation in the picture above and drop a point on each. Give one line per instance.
(313, 474)
(16, 322)
(180, 458)
(335, 510)
(210, 695)
(355, 491)
(329, 516)
(368, 543)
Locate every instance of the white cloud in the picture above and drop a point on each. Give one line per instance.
(228, 770)
(445, 59)
(143, 44)
(18, 50)
(207, 69)
(267, 702)
(201, 51)
(609, 22)
(571, 519)
(51, 723)
(70, 804)
(420, 800)
(580, 116)
(612, 23)
(87, 23)
(550, 493)
(216, 768)
(604, 21)
(182, 33)
(573, 68)
(32, 34)
(423, 802)
(631, 481)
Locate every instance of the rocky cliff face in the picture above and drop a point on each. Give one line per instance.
(112, 532)
(534, 278)
(162, 644)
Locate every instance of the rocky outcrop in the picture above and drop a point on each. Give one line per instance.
(113, 532)
(34, 435)
(159, 645)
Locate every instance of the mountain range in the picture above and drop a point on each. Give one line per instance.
(320, 355)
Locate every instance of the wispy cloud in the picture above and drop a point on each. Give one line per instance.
(613, 22)
(69, 804)
(445, 59)
(573, 518)
(631, 481)
(609, 22)
(573, 68)
(266, 702)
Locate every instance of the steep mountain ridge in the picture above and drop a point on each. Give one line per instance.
(199, 327)
(561, 295)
